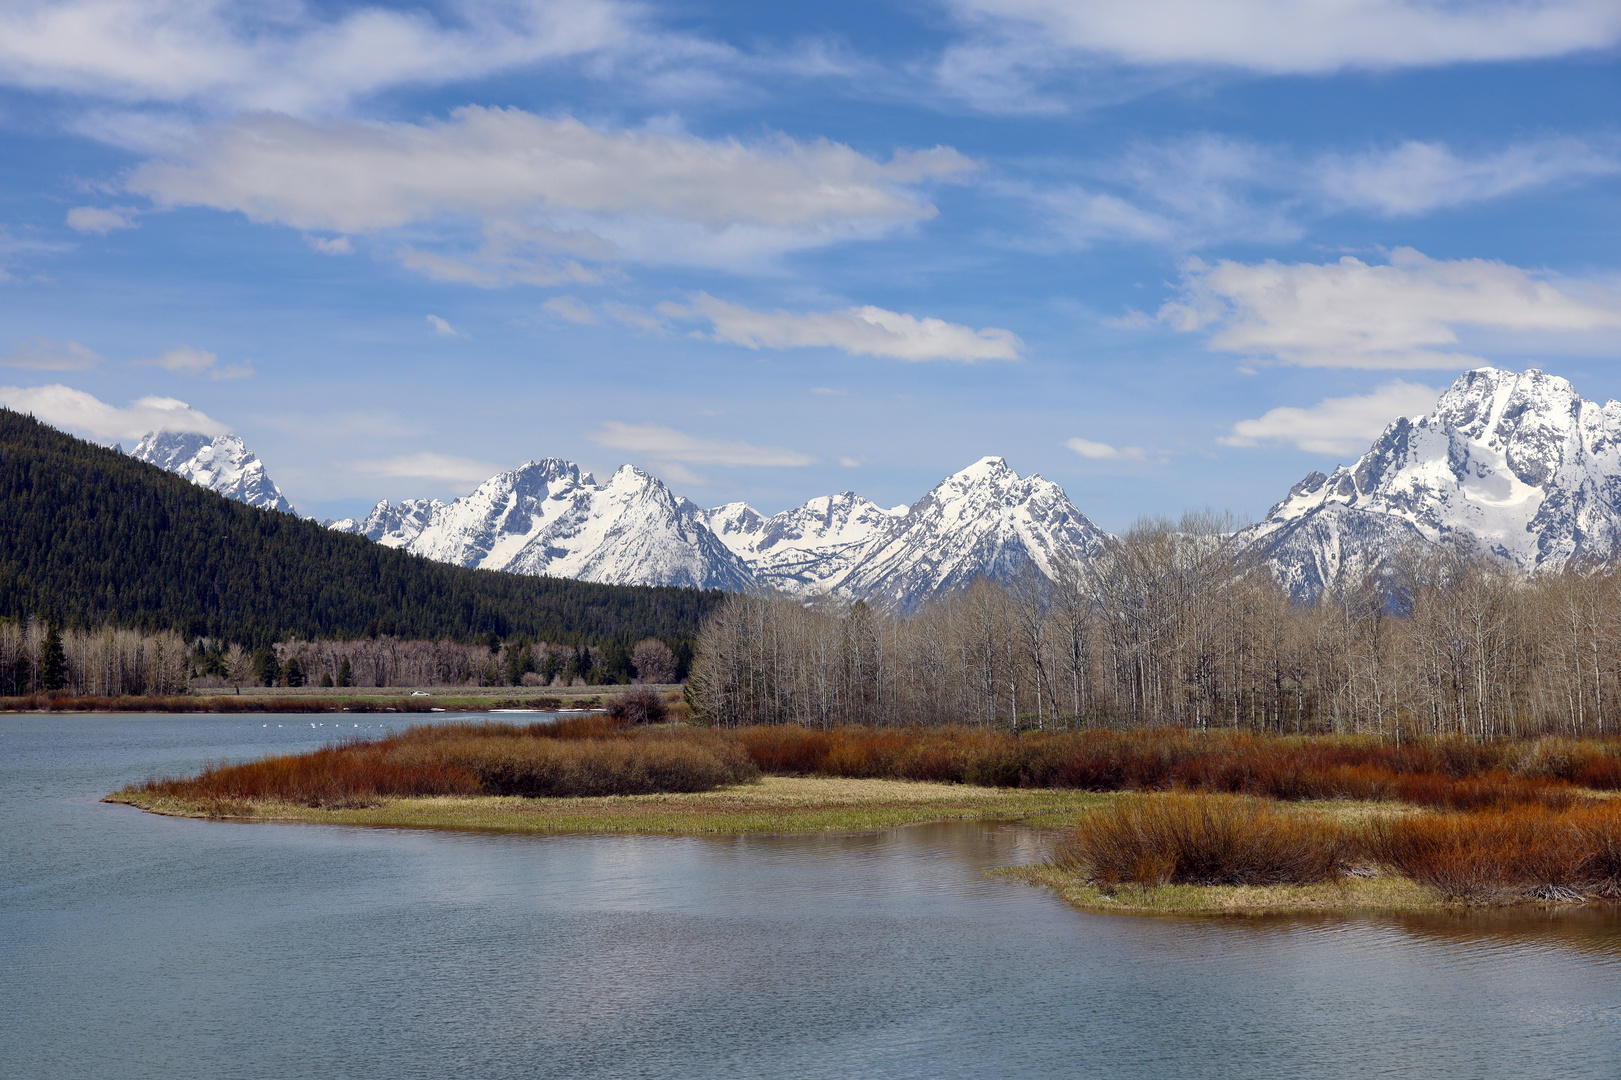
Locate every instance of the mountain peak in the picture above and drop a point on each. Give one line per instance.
(1517, 460)
(221, 463)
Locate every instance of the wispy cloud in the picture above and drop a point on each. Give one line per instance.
(1024, 39)
(185, 360)
(219, 54)
(1350, 314)
(44, 355)
(1189, 193)
(666, 444)
(860, 331)
(1101, 451)
(1338, 426)
(102, 219)
(443, 328)
(567, 307)
(85, 414)
(462, 473)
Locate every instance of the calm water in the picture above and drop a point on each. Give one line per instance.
(140, 946)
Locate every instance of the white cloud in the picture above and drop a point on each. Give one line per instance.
(850, 462)
(101, 220)
(185, 360)
(1402, 315)
(1285, 36)
(543, 188)
(443, 328)
(569, 308)
(1340, 426)
(44, 355)
(1098, 451)
(666, 444)
(458, 471)
(237, 54)
(331, 245)
(1416, 177)
(861, 331)
(84, 414)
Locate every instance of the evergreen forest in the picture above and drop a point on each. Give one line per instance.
(92, 538)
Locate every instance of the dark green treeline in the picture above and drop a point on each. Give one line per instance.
(89, 537)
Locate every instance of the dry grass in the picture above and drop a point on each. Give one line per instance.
(1383, 894)
(1202, 840)
(774, 804)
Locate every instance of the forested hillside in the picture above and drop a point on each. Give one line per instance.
(90, 537)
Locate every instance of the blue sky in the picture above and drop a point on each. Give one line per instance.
(1169, 254)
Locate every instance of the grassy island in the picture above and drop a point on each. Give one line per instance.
(1170, 821)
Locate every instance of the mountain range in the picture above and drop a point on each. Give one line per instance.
(547, 517)
(1518, 461)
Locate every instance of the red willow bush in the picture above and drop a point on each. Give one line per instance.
(1455, 775)
(590, 755)
(1521, 850)
(1201, 840)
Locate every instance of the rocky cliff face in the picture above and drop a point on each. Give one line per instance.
(1519, 462)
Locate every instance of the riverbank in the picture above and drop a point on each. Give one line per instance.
(326, 699)
(773, 804)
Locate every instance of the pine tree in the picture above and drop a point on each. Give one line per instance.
(53, 662)
(345, 675)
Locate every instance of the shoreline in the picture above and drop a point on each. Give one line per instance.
(317, 700)
(773, 804)
(802, 805)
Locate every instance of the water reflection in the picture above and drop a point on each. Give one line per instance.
(137, 946)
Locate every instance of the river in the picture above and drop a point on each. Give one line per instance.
(136, 946)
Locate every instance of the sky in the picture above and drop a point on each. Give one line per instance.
(1170, 254)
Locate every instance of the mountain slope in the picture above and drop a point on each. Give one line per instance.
(222, 463)
(1520, 462)
(90, 536)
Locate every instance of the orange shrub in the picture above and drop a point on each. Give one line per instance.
(1201, 840)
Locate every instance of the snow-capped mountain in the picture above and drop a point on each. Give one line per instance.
(985, 520)
(546, 517)
(1521, 462)
(392, 525)
(221, 463)
(807, 550)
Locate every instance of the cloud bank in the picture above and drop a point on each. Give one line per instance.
(666, 444)
(543, 188)
(85, 414)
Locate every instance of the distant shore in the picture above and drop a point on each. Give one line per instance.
(326, 699)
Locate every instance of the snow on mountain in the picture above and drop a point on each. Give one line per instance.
(389, 524)
(807, 550)
(1520, 462)
(985, 520)
(546, 517)
(221, 463)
